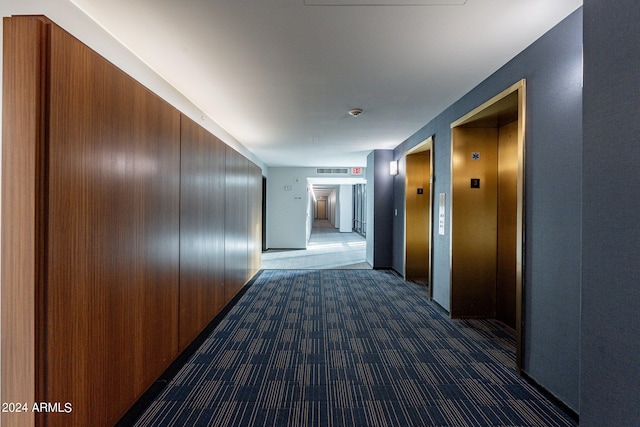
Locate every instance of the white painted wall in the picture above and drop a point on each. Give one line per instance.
(345, 207)
(311, 212)
(332, 201)
(287, 208)
(287, 213)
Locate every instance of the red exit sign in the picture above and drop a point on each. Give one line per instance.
(356, 171)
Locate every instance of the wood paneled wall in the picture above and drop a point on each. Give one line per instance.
(113, 242)
(125, 229)
(22, 220)
(236, 226)
(202, 229)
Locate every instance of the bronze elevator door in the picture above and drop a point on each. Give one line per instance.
(473, 226)
(418, 216)
(484, 215)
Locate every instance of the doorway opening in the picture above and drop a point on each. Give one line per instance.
(331, 240)
(321, 208)
(264, 213)
(487, 189)
(418, 213)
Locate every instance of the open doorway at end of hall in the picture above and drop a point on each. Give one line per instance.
(341, 201)
(321, 209)
(332, 242)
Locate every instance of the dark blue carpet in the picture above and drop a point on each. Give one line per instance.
(349, 348)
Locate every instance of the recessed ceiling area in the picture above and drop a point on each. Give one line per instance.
(280, 76)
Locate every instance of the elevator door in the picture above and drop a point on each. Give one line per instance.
(418, 216)
(487, 174)
(474, 222)
(487, 209)
(484, 223)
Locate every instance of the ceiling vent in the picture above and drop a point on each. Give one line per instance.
(338, 171)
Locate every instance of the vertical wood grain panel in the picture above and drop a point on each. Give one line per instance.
(23, 192)
(236, 223)
(202, 228)
(156, 181)
(113, 236)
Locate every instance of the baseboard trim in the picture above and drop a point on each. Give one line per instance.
(552, 397)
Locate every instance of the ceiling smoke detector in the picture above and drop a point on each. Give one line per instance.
(355, 112)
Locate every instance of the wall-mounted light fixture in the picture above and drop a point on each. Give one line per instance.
(393, 167)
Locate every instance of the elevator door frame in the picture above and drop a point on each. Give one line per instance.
(426, 145)
(488, 111)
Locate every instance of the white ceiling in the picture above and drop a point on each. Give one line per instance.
(281, 75)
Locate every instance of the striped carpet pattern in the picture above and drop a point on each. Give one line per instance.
(349, 348)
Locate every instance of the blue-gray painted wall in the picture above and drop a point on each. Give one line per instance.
(610, 363)
(552, 67)
(379, 208)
